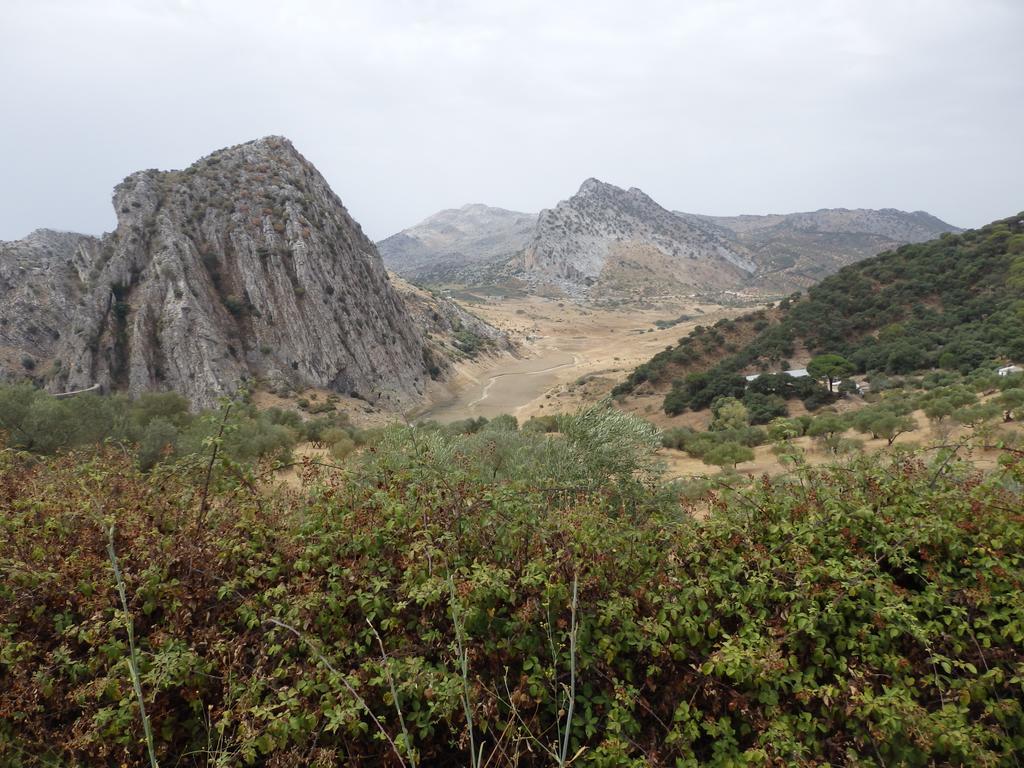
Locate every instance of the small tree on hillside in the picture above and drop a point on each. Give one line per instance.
(728, 413)
(938, 409)
(976, 416)
(784, 430)
(826, 425)
(728, 454)
(1012, 401)
(890, 426)
(830, 367)
(827, 429)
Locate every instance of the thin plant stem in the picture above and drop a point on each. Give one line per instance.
(205, 504)
(464, 664)
(133, 665)
(348, 687)
(572, 673)
(394, 693)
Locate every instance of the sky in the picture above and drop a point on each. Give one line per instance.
(410, 106)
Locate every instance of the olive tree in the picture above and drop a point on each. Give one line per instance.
(830, 367)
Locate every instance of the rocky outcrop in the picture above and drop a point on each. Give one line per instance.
(244, 266)
(453, 243)
(622, 240)
(42, 279)
(451, 332)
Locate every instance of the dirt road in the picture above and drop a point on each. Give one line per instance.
(560, 343)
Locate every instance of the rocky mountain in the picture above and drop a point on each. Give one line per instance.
(618, 240)
(42, 279)
(243, 266)
(451, 243)
(605, 241)
(798, 249)
(452, 332)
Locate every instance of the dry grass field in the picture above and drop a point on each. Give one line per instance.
(569, 355)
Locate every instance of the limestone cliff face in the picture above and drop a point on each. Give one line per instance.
(42, 279)
(243, 266)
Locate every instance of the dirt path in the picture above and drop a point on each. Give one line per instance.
(506, 387)
(560, 343)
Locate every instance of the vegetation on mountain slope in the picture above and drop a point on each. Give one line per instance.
(510, 597)
(954, 303)
(158, 426)
(991, 406)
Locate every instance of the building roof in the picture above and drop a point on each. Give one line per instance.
(796, 373)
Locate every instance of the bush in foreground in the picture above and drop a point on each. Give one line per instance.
(862, 615)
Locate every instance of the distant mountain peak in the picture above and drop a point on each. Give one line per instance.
(594, 184)
(605, 238)
(456, 240)
(264, 145)
(608, 239)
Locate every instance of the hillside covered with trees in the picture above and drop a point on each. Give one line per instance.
(955, 303)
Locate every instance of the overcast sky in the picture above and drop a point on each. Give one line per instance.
(407, 107)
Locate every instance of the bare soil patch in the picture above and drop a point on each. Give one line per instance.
(570, 354)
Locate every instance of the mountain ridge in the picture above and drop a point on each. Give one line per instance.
(457, 238)
(571, 244)
(606, 237)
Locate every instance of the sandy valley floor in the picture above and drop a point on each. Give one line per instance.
(560, 344)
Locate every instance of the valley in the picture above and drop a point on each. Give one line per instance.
(600, 385)
(571, 355)
(567, 355)
(625, 412)
(235, 377)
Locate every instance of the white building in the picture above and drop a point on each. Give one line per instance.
(1009, 370)
(796, 373)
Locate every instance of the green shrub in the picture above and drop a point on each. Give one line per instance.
(763, 408)
(234, 305)
(159, 439)
(342, 447)
(728, 413)
(863, 615)
(728, 454)
(541, 424)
